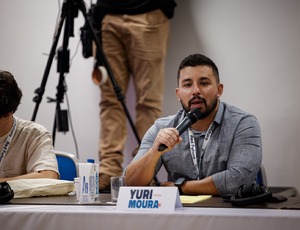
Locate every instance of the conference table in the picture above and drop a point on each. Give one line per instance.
(63, 212)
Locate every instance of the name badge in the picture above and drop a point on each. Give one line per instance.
(151, 199)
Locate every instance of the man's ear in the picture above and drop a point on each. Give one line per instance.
(220, 88)
(177, 94)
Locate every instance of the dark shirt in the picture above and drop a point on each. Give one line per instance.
(137, 6)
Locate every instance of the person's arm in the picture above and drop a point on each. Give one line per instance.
(42, 162)
(244, 159)
(39, 158)
(40, 174)
(140, 172)
(204, 186)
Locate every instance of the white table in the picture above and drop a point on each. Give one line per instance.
(86, 217)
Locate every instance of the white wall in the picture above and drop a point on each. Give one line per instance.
(256, 45)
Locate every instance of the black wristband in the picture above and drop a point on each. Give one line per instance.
(178, 183)
(180, 191)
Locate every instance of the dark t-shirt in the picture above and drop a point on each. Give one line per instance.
(137, 6)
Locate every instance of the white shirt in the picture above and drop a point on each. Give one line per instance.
(31, 150)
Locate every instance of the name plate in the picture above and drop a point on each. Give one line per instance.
(151, 199)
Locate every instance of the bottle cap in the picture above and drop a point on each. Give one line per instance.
(90, 161)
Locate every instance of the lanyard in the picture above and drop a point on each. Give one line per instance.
(193, 149)
(8, 140)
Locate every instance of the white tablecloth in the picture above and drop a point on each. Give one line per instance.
(83, 217)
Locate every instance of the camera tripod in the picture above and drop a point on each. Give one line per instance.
(69, 11)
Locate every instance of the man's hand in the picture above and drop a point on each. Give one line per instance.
(167, 183)
(169, 137)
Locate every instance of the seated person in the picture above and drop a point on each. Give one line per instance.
(26, 148)
(221, 151)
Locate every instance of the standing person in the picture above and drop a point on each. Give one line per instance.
(134, 40)
(25, 147)
(216, 155)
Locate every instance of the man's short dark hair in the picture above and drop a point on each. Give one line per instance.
(10, 94)
(198, 60)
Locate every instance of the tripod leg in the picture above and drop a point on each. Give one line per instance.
(40, 91)
(69, 10)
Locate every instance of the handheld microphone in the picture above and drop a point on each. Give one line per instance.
(191, 118)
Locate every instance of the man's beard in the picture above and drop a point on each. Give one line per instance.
(204, 112)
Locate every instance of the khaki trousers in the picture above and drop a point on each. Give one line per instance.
(135, 46)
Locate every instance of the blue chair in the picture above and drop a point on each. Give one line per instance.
(67, 165)
(261, 177)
